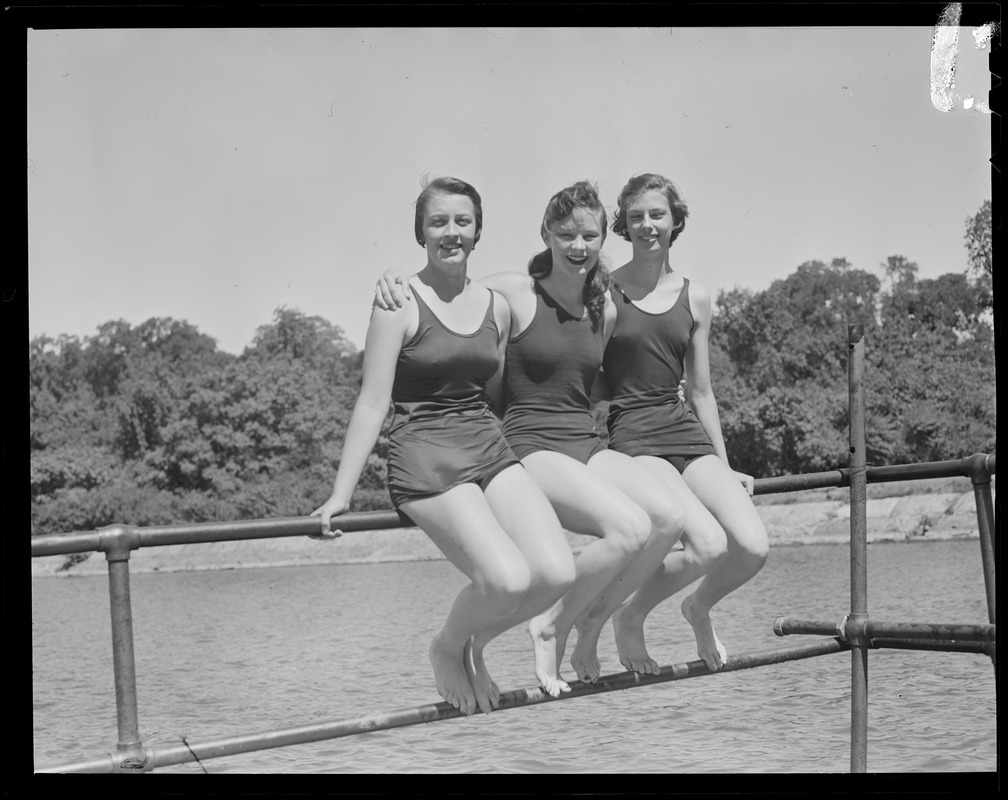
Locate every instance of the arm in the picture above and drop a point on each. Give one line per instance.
(701, 393)
(495, 386)
(392, 288)
(386, 333)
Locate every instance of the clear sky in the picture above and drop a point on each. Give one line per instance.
(212, 175)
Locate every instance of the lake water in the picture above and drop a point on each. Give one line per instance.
(231, 653)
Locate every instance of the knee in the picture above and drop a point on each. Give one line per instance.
(754, 549)
(557, 577)
(668, 522)
(707, 545)
(630, 530)
(505, 587)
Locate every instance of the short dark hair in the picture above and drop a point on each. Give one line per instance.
(647, 182)
(446, 185)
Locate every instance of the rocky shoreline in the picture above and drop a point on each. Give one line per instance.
(909, 518)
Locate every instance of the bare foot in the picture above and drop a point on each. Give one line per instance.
(584, 659)
(544, 649)
(487, 691)
(633, 654)
(450, 675)
(561, 648)
(709, 647)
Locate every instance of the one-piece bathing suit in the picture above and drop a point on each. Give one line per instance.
(549, 371)
(643, 364)
(443, 433)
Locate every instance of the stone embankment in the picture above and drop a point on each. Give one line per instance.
(910, 518)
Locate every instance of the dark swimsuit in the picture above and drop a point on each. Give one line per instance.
(443, 433)
(643, 365)
(549, 371)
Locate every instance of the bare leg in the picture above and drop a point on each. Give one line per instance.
(484, 687)
(667, 522)
(748, 545)
(704, 544)
(586, 503)
(724, 538)
(534, 528)
(463, 527)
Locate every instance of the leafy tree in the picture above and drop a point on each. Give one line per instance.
(979, 242)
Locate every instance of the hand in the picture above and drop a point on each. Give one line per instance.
(392, 290)
(332, 507)
(747, 481)
(681, 391)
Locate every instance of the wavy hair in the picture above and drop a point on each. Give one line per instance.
(446, 185)
(561, 206)
(647, 182)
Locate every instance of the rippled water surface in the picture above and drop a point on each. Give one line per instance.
(247, 651)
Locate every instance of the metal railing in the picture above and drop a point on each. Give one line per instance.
(854, 632)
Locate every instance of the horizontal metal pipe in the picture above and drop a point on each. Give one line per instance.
(962, 467)
(798, 483)
(906, 631)
(935, 631)
(202, 532)
(161, 756)
(986, 648)
(786, 626)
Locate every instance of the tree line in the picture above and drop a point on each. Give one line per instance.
(152, 424)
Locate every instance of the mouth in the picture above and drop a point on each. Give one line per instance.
(450, 247)
(577, 260)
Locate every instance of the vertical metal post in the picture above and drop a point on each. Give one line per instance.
(116, 542)
(858, 548)
(980, 475)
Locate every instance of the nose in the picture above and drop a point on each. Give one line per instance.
(451, 231)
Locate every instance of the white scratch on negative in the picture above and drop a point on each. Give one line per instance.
(943, 53)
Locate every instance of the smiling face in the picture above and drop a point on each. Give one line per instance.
(449, 229)
(649, 222)
(575, 241)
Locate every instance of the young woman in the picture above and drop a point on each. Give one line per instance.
(662, 330)
(559, 314)
(450, 469)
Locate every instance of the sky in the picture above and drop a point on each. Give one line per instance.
(215, 175)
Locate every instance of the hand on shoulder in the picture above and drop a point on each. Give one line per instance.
(392, 290)
(507, 282)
